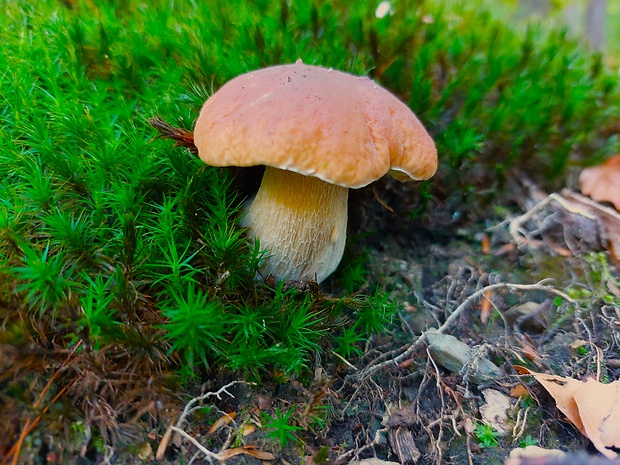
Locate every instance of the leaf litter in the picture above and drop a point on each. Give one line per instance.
(593, 407)
(602, 182)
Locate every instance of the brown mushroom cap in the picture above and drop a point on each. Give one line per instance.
(343, 129)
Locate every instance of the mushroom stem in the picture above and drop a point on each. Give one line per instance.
(301, 221)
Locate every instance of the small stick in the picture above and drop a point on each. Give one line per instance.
(188, 410)
(344, 360)
(210, 455)
(451, 320)
(380, 200)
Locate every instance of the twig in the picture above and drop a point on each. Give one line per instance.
(344, 360)
(516, 435)
(517, 233)
(443, 418)
(376, 440)
(470, 458)
(380, 200)
(599, 352)
(437, 441)
(458, 404)
(599, 358)
(450, 321)
(107, 455)
(517, 424)
(193, 459)
(426, 379)
(188, 410)
(210, 455)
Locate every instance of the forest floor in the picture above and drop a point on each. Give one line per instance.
(533, 289)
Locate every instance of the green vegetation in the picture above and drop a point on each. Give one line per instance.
(279, 427)
(613, 33)
(528, 441)
(121, 254)
(486, 436)
(123, 251)
(600, 284)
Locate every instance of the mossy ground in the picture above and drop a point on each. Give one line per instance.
(127, 287)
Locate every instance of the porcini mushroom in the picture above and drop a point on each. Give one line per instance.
(318, 132)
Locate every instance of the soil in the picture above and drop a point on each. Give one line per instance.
(413, 411)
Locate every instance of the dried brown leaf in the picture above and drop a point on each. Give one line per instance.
(530, 353)
(599, 405)
(593, 407)
(485, 244)
(519, 391)
(602, 182)
(224, 420)
(247, 430)
(248, 450)
(486, 307)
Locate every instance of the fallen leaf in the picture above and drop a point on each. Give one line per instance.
(530, 353)
(600, 407)
(486, 307)
(248, 450)
(562, 390)
(224, 420)
(506, 249)
(519, 391)
(593, 407)
(485, 244)
(602, 182)
(165, 440)
(247, 429)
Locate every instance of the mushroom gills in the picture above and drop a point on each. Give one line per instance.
(301, 221)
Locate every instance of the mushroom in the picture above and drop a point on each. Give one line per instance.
(318, 132)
